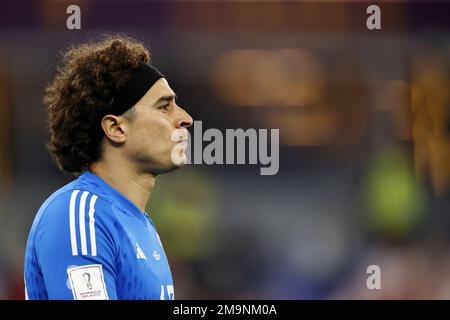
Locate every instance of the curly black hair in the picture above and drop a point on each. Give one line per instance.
(83, 90)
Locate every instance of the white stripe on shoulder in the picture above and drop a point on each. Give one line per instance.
(82, 218)
(92, 225)
(73, 235)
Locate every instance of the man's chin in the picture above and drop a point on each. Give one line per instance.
(178, 165)
(178, 157)
(169, 167)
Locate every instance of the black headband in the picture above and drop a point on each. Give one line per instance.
(142, 79)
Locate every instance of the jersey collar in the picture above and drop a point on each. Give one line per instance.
(114, 194)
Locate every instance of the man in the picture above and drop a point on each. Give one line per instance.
(115, 124)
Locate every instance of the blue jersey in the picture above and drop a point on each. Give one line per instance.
(88, 241)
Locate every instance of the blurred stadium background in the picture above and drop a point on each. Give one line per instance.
(364, 126)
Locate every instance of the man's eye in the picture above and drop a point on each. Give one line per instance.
(165, 107)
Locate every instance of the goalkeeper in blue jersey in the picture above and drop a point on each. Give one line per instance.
(115, 125)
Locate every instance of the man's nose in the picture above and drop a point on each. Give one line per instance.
(185, 120)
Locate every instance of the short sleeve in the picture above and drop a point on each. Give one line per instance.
(75, 247)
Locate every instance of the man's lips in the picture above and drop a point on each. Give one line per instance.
(183, 143)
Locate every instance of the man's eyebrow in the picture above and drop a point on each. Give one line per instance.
(169, 97)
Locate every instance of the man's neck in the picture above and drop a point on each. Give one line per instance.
(133, 185)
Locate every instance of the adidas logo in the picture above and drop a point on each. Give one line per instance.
(139, 253)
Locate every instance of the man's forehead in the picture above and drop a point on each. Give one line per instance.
(160, 89)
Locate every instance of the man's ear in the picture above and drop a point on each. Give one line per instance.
(114, 128)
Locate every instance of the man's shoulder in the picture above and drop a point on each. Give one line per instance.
(73, 217)
(72, 198)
